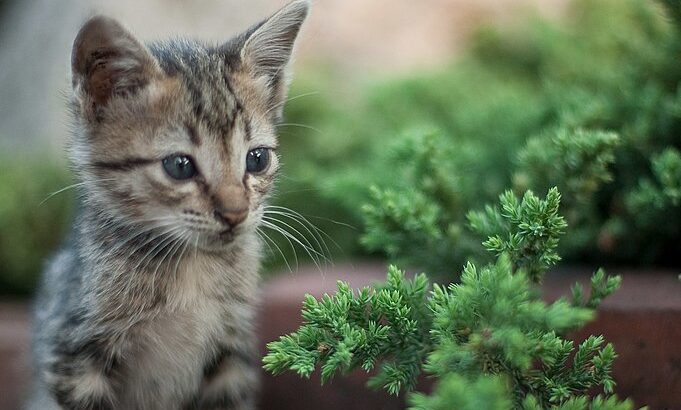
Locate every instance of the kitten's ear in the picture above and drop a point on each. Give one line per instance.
(267, 50)
(107, 61)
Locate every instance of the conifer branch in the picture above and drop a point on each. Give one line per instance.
(489, 340)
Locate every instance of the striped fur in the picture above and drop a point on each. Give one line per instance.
(150, 305)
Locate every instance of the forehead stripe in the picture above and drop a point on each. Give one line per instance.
(125, 164)
(193, 134)
(238, 105)
(247, 127)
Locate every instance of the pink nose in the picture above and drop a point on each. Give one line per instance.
(231, 217)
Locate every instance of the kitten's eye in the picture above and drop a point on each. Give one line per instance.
(257, 160)
(179, 166)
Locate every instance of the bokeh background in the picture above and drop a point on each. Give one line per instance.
(347, 52)
(492, 83)
(476, 95)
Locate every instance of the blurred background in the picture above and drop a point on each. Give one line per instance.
(448, 102)
(351, 53)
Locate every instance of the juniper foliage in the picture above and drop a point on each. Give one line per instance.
(530, 228)
(489, 341)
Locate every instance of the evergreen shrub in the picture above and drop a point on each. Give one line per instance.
(489, 341)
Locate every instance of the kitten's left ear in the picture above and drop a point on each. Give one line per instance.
(266, 52)
(107, 61)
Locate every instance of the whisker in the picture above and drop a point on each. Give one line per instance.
(147, 230)
(333, 221)
(269, 247)
(179, 257)
(153, 252)
(287, 237)
(265, 236)
(291, 124)
(173, 249)
(157, 223)
(322, 247)
(313, 226)
(162, 245)
(314, 232)
(60, 191)
(196, 245)
(312, 253)
(296, 191)
(274, 107)
(66, 188)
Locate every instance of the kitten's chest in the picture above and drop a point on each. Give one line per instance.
(169, 351)
(165, 362)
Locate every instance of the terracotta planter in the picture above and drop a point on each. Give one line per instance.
(642, 320)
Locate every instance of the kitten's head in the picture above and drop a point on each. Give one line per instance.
(181, 136)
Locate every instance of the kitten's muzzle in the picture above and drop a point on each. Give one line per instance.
(231, 217)
(230, 204)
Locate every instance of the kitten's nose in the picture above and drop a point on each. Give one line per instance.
(231, 217)
(231, 204)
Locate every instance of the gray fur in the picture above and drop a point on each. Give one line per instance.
(150, 305)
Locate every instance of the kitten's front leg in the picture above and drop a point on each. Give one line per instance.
(230, 381)
(80, 379)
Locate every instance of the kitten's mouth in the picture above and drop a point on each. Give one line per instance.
(226, 235)
(218, 240)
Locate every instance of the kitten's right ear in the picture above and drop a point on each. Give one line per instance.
(108, 61)
(267, 50)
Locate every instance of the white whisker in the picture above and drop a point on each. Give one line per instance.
(153, 252)
(299, 219)
(307, 245)
(275, 106)
(291, 124)
(66, 188)
(313, 226)
(313, 254)
(285, 236)
(179, 257)
(266, 237)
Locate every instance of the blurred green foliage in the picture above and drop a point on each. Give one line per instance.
(591, 104)
(31, 225)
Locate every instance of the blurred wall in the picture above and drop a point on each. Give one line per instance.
(359, 38)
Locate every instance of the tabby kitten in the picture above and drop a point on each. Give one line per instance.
(151, 306)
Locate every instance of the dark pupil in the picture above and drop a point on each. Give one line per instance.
(179, 167)
(257, 160)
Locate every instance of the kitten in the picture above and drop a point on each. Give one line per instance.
(151, 305)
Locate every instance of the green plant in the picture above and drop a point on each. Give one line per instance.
(489, 341)
(31, 225)
(592, 108)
